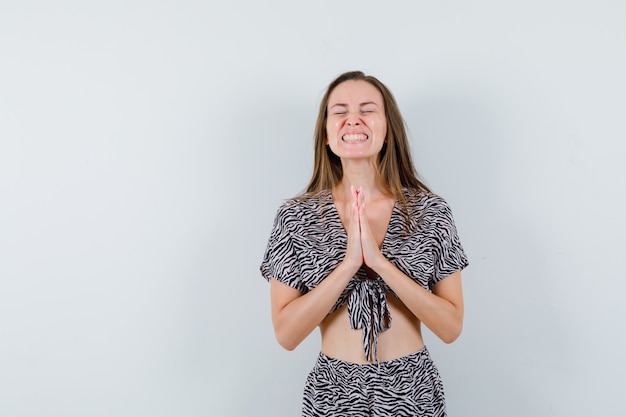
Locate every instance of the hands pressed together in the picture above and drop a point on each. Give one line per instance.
(362, 246)
(441, 310)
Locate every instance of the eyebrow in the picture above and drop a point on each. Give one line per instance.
(360, 105)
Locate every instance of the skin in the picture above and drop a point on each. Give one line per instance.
(356, 131)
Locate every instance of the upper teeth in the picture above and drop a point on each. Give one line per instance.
(355, 136)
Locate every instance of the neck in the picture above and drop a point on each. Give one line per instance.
(360, 174)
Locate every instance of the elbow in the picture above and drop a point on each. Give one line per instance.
(451, 338)
(287, 345)
(451, 334)
(286, 341)
(284, 334)
(451, 331)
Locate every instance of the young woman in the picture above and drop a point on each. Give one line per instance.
(367, 254)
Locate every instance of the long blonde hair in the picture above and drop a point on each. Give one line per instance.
(395, 166)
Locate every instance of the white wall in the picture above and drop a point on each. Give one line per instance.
(145, 146)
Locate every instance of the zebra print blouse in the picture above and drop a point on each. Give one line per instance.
(308, 241)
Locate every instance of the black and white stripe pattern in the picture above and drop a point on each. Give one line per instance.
(308, 241)
(407, 386)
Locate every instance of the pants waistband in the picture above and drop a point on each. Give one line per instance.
(417, 358)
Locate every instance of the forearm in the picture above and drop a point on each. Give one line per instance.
(443, 316)
(295, 320)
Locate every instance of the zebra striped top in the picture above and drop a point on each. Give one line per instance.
(308, 241)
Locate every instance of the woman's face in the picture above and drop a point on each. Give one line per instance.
(356, 126)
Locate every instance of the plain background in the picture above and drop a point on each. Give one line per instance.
(145, 146)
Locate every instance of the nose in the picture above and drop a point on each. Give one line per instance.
(353, 119)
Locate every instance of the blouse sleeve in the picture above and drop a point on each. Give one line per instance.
(281, 260)
(448, 253)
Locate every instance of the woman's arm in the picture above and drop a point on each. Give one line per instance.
(441, 310)
(294, 315)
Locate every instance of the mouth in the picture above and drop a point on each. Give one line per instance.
(354, 137)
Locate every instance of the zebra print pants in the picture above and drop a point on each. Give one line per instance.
(407, 386)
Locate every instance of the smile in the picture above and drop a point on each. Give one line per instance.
(354, 137)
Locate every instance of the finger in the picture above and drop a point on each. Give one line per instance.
(361, 198)
(355, 202)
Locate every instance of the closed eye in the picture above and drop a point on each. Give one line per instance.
(369, 108)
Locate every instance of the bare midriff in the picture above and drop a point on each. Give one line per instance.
(340, 341)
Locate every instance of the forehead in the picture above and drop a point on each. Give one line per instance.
(355, 92)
